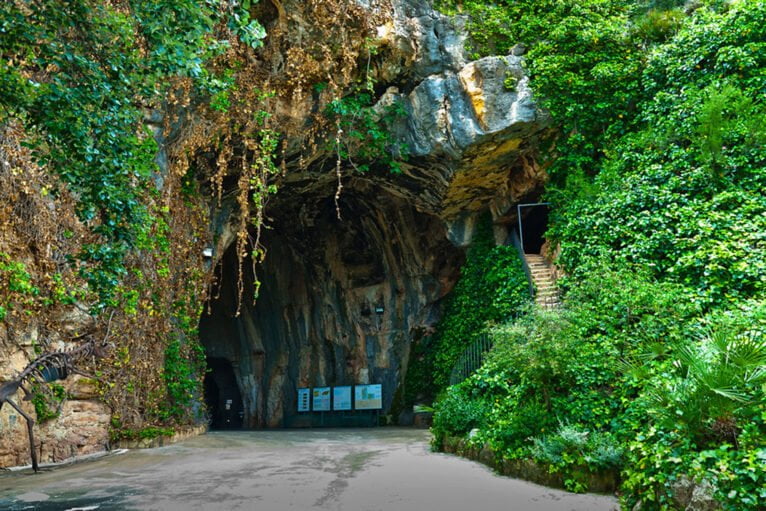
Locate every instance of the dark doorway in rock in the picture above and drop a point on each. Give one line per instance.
(222, 395)
(533, 222)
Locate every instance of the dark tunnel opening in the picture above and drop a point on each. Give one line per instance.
(534, 223)
(339, 303)
(222, 395)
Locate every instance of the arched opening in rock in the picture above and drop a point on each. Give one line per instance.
(533, 222)
(340, 299)
(222, 395)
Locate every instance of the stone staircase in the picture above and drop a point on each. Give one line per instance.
(546, 292)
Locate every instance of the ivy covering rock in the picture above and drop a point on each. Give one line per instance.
(655, 365)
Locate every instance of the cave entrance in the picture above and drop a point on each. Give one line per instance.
(533, 222)
(339, 302)
(222, 395)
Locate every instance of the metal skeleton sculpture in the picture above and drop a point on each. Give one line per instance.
(48, 367)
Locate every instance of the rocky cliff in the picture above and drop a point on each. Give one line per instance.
(347, 287)
(356, 262)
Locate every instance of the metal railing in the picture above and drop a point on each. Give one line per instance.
(517, 243)
(471, 359)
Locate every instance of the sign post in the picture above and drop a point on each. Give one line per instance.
(321, 402)
(341, 398)
(304, 400)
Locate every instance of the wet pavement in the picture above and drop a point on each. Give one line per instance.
(351, 470)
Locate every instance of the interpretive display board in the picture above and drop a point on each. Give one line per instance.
(322, 399)
(304, 400)
(341, 398)
(368, 397)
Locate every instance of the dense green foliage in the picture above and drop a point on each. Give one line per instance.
(79, 79)
(47, 401)
(80, 75)
(656, 363)
(363, 131)
(492, 288)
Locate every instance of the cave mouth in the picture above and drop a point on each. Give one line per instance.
(339, 302)
(533, 222)
(222, 395)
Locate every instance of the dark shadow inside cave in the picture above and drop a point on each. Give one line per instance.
(534, 223)
(340, 301)
(222, 395)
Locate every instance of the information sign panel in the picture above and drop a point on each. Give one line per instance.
(322, 399)
(341, 398)
(368, 397)
(304, 400)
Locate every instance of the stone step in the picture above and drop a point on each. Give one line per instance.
(546, 292)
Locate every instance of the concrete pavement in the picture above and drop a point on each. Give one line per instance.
(381, 469)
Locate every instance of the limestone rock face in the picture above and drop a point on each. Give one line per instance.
(425, 41)
(478, 128)
(348, 284)
(340, 300)
(342, 297)
(690, 495)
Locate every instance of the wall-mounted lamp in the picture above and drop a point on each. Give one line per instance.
(379, 310)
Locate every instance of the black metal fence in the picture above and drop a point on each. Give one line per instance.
(517, 243)
(471, 359)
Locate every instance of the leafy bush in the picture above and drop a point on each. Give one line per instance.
(492, 288)
(660, 214)
(571, 448)
(709, 416)
(457, 412)
(97, 67)
(47, 399)
(365, 137)
(722, 375)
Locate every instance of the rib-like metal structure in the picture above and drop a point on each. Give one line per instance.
(48, 367)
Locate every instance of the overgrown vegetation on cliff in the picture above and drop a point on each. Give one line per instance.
(122, 124)
(94, 225)
(656, 364)
(492, 288)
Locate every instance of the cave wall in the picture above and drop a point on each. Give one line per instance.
(315, 320)
(473, 147)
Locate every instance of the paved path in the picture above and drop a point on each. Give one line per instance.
(350, 470)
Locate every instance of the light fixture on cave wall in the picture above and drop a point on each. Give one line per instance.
(207, 256)
(379, 310)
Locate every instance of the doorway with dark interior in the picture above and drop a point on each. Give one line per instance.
(533, 222)
(222, 395)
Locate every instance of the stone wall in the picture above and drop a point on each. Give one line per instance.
(606, 481)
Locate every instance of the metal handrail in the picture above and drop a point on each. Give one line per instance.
(517, 243)
(471, 359)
